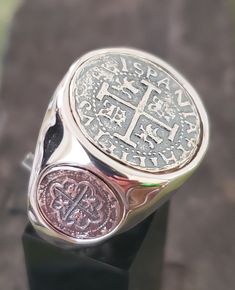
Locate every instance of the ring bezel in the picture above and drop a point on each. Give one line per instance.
(68, 154)
(69, 106)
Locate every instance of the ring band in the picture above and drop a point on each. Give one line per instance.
(122, 131)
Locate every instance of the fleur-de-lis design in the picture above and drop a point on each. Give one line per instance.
(60, 203)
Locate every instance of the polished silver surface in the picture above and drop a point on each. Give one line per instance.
(122, 131)
(136, 111)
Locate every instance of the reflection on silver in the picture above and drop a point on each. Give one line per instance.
(122, 131)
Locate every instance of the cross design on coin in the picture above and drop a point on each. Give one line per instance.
(139, 110)
(136, 112)
(76, 202)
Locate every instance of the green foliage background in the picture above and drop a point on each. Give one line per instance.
(7, 10)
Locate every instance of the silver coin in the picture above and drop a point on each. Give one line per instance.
(136, 112)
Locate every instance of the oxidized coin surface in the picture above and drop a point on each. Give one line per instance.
(135, 111)
(77, 203)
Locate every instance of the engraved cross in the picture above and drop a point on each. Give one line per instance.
(139, 110)
(75, 202)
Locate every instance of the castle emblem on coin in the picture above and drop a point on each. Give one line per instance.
(136, 112)
(78, 204)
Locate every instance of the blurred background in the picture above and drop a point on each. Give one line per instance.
(39, 39)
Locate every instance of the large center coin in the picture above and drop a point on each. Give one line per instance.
(135, 111)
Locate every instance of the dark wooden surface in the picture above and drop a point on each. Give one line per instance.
(194, 36)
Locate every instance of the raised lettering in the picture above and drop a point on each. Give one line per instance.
(181, 102)
(165, 82)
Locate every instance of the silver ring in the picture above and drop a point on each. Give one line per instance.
(122, 131)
